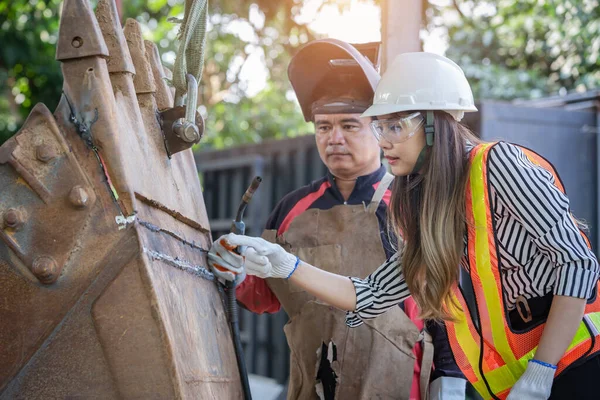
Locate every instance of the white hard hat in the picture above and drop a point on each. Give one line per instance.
(422, 81)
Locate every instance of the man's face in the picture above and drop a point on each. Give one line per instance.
(346, 144)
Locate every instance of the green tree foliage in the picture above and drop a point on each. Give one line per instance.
(234, 116)
(508, 48)
(522, 49)
(29, 73)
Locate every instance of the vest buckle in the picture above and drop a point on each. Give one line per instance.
(523, 309)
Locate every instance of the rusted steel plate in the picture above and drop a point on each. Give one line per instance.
(104, 286)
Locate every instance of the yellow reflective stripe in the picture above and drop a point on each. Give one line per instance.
(503, 378)
(484, 266)
(583, 333)
(594, 319)
(467, 342)
(481, 389)
(470, 347)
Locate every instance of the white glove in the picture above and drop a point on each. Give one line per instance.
(232, 271)
(263, 259)
(227, 271)
(534, 384)
(448, 388)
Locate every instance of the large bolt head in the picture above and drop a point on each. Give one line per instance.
(79, 197)
(44, 153)
(45, 269)
(13, 218)
(190, 132)
(186, 130)
(178, 126)
(77, 42)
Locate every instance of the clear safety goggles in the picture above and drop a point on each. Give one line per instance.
(397, 130)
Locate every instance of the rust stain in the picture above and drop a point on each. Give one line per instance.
(175, 214)
(23, 182)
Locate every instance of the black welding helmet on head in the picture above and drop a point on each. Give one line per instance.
(330, 76)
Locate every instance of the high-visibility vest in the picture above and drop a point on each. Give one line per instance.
(493, 357)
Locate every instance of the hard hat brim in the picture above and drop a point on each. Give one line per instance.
(384, 109)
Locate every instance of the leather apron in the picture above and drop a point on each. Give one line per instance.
(372, 361)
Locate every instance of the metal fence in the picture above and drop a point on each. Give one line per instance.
(563, 130)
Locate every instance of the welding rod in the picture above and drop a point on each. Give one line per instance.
(238, 227)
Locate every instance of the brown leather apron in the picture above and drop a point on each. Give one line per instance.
(372, 361)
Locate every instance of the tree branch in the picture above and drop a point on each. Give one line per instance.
(455, 3)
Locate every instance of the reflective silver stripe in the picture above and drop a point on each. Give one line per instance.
(384, 184)
(593, 326)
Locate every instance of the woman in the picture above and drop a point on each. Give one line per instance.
(489, 245)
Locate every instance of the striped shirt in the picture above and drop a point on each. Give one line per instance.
(540, 248)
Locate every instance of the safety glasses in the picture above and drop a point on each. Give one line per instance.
(397, 130)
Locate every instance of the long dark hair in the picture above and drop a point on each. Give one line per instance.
(427, 211)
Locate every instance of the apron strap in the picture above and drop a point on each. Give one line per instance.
(426, 364)
(384, 184)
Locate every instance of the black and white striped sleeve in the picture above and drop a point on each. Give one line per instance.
(378, 292)
(528, 193)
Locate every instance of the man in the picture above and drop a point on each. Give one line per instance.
(334, 84)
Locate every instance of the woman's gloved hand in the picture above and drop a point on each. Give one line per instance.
(231, 271)
(534, 384)
(260, 257)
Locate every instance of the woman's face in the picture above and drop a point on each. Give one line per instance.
(402, 156)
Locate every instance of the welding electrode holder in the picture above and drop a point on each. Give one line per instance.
(238, 227)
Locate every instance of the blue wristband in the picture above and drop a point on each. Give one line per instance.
(545, 364)
(295, 266)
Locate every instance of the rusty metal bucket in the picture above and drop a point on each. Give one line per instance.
(104, 291)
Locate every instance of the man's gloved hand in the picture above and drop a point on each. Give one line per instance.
(534, 384)
(262, 258)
